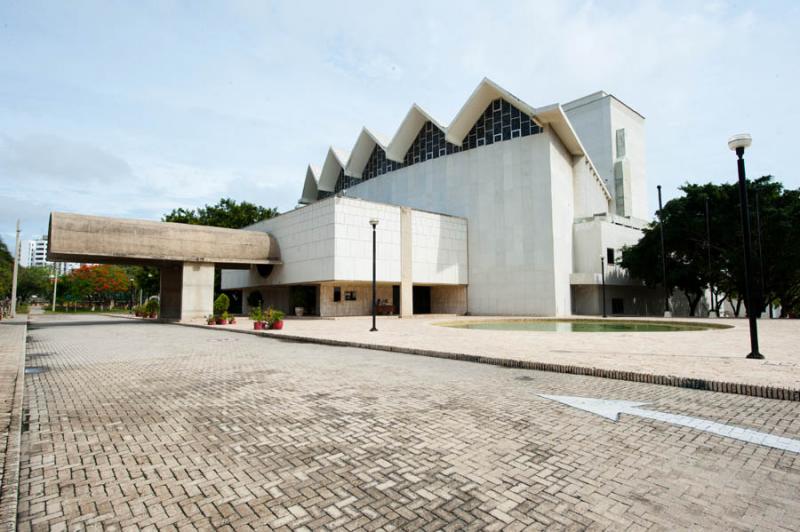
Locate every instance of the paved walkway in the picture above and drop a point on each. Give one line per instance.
(714, 355)
(145, 425)
(12, 349)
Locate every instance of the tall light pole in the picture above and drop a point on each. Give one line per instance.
(708, 252)
(738, 143)
(667, 313)
(55, 284)
(15, 275)
(374, 223)
(603, 275)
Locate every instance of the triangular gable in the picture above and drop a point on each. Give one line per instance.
(484, 94)
(310, 187)
(334, 162)
(408, 132)
(362, 150)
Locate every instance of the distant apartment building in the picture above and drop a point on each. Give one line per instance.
(35, 255)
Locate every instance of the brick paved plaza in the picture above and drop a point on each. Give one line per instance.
(144, 425)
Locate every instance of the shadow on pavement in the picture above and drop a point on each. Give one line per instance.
(43, 324)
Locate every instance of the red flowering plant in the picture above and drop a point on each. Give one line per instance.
(97, 283)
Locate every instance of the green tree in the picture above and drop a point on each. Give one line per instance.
(6, 268)
(34, 281)
(688, 252)
(145, 278)
(226, 213)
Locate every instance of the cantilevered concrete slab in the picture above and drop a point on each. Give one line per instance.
(186, 254)
(82, 238)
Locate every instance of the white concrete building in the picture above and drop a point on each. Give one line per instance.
(34, 254)
(506, 210)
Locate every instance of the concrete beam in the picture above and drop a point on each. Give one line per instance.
(82, 238)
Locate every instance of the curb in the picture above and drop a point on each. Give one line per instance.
(751, 390)
(9, 491)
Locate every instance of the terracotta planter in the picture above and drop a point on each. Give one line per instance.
(153, 315)
(258, 326)
(222, 321)
(278, 325)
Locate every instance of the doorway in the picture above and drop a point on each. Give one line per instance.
(422, 299)
(396, 298)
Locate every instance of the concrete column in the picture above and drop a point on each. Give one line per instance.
(406, 277)
(170, 291)
(197, 291)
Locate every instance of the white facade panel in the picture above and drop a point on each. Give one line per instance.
(504, 190)
(332, 240)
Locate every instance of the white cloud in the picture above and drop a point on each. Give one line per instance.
(177, 106)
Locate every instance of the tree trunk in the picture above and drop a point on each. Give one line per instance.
(693, 302)
(720, 303)
(737, 307)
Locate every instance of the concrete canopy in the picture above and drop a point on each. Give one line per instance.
(83, 238)
(186, 254)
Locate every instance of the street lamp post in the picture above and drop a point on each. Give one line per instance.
(603, 275)
(667, 313)
(374, 223)
(738, 143)
(14, 275)
(55, 284)
(708, 263)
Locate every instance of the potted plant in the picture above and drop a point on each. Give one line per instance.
(257, 316)
(231, 320)
(221, 305)
(275, 319)
(298, 301)
(151, 308)
(210, 320)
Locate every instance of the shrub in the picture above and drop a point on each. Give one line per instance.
(221, 304)
(256, 314)
(274, 316)
(152, 306)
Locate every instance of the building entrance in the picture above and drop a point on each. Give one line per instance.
(422, 300)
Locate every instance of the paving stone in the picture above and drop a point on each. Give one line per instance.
(151, 425)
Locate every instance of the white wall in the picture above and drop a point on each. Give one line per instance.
(332, 240)
(504, 191)
(596, 120)
(439, 249)
(563, 207)
(591, 119)
(622, 117)
(593, 237)
(353, 241)
(306, 241)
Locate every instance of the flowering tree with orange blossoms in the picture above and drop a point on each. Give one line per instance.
(96, 283)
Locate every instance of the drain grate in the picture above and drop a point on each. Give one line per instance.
(34, 369)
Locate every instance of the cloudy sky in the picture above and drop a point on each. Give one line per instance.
(135, 108)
